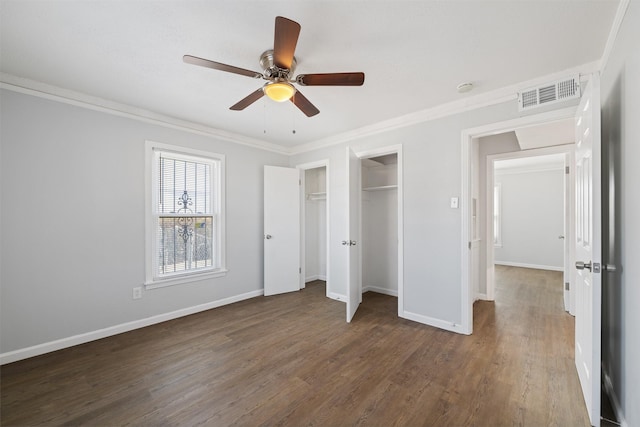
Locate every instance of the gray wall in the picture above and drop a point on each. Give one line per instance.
(532, 218)
(620, 89)
(73, 221)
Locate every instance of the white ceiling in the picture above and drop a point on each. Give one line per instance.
(546, 135)
(414, 54)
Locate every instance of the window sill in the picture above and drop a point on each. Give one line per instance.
(188, 278)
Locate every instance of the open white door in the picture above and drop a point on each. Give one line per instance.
(354, 293)
(567, 236)
(281, 230)
(588, 247)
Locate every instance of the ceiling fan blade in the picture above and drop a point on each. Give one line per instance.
(304, 104)
(219, 66)
(331, 79)
(285, 40)
(245, 102)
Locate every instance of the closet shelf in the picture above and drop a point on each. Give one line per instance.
(380, 188)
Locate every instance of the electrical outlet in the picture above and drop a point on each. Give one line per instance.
(454, 203)
(137, 292)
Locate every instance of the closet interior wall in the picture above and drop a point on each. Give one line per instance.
(315, 224)
(380, 225)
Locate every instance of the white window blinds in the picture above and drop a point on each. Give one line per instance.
(185, 214)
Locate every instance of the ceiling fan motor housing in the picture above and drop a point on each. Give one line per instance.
(272, 71)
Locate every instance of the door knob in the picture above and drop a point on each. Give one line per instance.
(580, 265)
(345, 243)
(561, 237)
(267, 236)
(352, 242)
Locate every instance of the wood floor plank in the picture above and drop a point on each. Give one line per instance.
(292, 360)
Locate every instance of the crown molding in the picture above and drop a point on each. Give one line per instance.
(498, 96)
(46, 91)
(613, 33)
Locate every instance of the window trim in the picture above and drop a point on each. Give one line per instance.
(497, 215)
(152, 281)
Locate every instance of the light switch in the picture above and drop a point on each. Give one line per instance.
(454, 203)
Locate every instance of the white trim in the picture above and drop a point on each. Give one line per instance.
(496, 234)
(46, 91)
(498, 96)
(613, 34)
(438, 323)
(482, 297)
(315, 277)
(379, 290)
(337, 297)
(466, 204)
(525, 265)
(36, 350)
(467, 137)
(218, 186)
(187, 277)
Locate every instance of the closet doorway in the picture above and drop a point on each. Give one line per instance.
(314, 248)
(381, 223)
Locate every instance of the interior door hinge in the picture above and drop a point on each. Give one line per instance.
(566, 286)
(566, 170)
(299, 270)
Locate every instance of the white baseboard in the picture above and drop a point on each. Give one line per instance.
(482, 297)
(524, 265)
(615, 402)
(36, 350)
(438, 323)
(385, 291)
(316, 277)
(337, 297)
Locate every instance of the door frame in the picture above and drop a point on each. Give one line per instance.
(568, 219)
(468, 137)
(381, 151)
(302, 169)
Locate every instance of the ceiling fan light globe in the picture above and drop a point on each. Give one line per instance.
(279, 91)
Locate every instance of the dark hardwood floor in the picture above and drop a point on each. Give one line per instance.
(291, 360)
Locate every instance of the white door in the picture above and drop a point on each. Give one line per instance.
(588, 247)
(567, 234)
(351, 243)
(281, 230)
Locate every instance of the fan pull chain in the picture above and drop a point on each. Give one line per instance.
(293, 119)
(264, 117)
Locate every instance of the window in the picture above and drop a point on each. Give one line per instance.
(185, 221)
(497, 218)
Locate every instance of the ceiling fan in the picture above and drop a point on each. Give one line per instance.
(278, 65)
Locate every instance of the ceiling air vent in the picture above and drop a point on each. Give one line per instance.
(550, 93)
